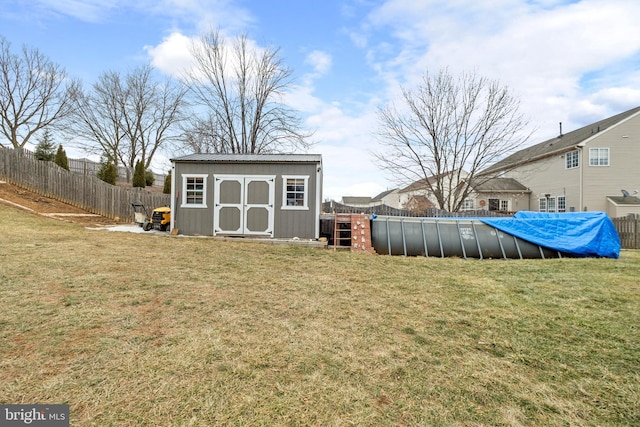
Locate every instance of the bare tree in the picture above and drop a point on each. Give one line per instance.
(98, 123)
(241, 86)
(448, 131)
(129, 118)
(34, 93)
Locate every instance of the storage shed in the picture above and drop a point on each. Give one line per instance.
(259, 195)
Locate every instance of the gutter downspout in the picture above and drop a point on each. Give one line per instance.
(581, 197)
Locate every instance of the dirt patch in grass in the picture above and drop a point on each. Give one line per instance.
(32, 202)
(135, 330)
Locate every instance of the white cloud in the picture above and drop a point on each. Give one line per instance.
(172, 56)
(320, 61)
(197, 15)
(85, 10)
(545, 51)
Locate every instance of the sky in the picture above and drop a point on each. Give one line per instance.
(569, 61)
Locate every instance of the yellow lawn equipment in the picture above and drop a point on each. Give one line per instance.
(160, 218)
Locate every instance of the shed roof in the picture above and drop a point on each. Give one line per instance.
(560, 143)
(250, 158)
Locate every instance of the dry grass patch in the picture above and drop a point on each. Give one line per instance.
(150, 330)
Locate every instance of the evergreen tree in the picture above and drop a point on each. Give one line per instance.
(61, 158)
(108, 172)
(149, 177)
(167, 184)
(138, 175)
(46, 149)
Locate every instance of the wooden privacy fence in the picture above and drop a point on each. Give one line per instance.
(629, 231)
(81, 190)
(333, 207)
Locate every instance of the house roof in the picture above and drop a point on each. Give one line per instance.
(348, 200)
(560, 143)
(249, 158)
(422, 183)
(494, 185)
(384, 194)
(416, 185)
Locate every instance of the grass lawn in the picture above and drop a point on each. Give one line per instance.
(142, 330)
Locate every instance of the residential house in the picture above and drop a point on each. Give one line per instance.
(582, 170)
(356, 201)
(498, 194)
(388, 198)
(418, 194)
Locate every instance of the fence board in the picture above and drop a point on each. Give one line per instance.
(629, 231)
(78, 189)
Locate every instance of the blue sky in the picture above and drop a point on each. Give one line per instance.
(568, 61)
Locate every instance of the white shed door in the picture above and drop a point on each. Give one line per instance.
(243, 205)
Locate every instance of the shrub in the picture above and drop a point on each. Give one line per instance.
(46, 149)
(167, 184)
(108, 172)
(139, 175)
(149, 177)
(61, 159)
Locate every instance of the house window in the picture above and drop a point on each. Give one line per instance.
(467, 205)
(573, 159)
(194, 191)
(494, 204)
(542, 205)
(504, 205)
(598, 157)
(562, 203)
(295, 192)
(551, 204)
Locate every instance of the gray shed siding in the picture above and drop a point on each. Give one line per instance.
(286, 223)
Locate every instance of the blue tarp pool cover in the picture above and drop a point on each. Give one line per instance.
(581, 234)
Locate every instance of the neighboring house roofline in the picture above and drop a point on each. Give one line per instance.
(360, 200)
(422, 182)
(570, 141)
(383, 194)
(613, 126)
(500, 185)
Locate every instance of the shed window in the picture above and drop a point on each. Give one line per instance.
(598, 157)
(573, 159)
(194, 191)
(295, 192)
